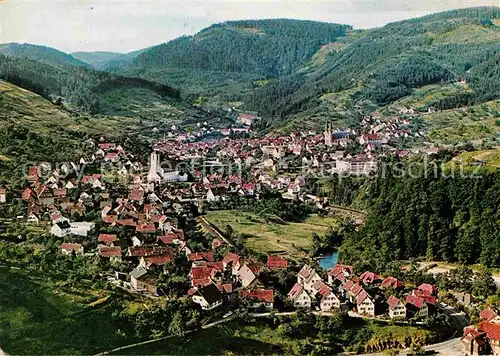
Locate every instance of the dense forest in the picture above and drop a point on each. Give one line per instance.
(384, 64)
(267, 48)
(435, 213)
(80, 87)
(43, 54)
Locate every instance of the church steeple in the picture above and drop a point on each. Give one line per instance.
(328, 134)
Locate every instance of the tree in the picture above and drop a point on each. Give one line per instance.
(483, 284)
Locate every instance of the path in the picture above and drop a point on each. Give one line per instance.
(449, 347)
(210, 228)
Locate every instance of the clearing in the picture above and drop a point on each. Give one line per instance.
(271, 234)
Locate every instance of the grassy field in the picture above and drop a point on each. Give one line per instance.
(230, 338)
(36, 320)
(271, 235)
(467, 124)
(488, 157)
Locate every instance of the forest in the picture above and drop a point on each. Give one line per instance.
(80, 87)
(435, 213)
(384, 64)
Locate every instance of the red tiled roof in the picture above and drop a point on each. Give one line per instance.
(488, 314)
(106, 251)
(429, 288)
(355, 289)
(136, 195)
(392, 302)
(27, 194)
(145, 228)
(369, 277)
(126, 222)
(416, 301)
(225, 288)
(160, 259)
(492, 330)
(295, 291)
(201, 272)
(262, 295)
(70, 247)
(200, 256)
(361, 297)
(391, 282)
(230, 258)
(339, 268)
(277, 262)
(107, 238)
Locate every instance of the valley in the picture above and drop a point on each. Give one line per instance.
(180, 198)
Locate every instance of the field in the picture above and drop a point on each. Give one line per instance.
(487, 157)
(271, 234)
(259, 338)
(478, 122)
(37, 319)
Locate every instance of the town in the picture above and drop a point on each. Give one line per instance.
(146, 225)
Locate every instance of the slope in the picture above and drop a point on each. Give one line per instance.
(85, 90)
(43, 54)
(371, 69)
(96, 59)
(236, 51)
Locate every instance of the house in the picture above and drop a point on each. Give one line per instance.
(465, 299)
(201, 256)
(230, 260)
(396, 308)
(489, 314)
(61, 229)
(428, 289)
(369, 277)
(277, 262)
(307, 276)
(416, 307)
(3, 195)
(246, 119)
(69, 248)
(364, 304)
(81, 228)
(340, 272)
(492, 331)
(106, 239)
(299, 297)
(391, 282)
(113, 253)
(259, 298)
(32, 219)
(141, 281)
(328, 300)
(246, 275)
(208, 297)
(474, 342)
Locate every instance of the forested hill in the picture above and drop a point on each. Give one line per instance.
(107, 60)
(43, 54)
(96, 59)
(370, 69)
(250, 48)
(84, 89)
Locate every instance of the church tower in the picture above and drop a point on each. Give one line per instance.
(328, 134)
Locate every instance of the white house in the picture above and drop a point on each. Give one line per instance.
(299, 297)
(307, 276)
(209, 297)
(396, 308)
(61, 229)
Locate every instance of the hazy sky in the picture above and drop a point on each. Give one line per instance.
(113, 25)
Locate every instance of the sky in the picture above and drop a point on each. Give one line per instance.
(123, 26)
